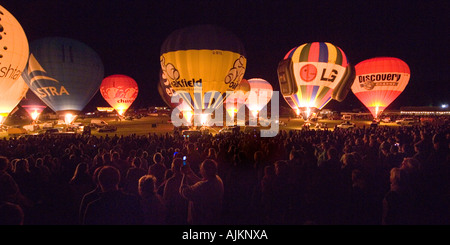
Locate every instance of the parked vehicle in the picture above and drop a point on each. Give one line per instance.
(107, 128)
(406, 122)
(191, 134)
(321, 125)
(230, 130)
(346, 124)
(98, 123)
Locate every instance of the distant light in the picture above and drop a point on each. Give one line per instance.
(444, 106)
(69, 118)
(34, 115)
(203, 119)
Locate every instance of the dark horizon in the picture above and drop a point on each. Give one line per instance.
(128, 35)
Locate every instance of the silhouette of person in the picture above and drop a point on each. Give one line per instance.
(113, 207)
(205, 196)
(153, 207)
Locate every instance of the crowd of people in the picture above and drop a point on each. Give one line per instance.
(360, 176)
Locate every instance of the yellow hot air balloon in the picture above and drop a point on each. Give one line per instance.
(14, 49)
(201, 63)
(11, 97)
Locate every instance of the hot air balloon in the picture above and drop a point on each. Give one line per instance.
(379, 81)
(32, 104)
(64, 73)
(312, 74)
(238, 98)
(14, 49)
(201, 63)
(260, 94)
(11, 97)
(167, 92)
(172, 99)
(119, 91)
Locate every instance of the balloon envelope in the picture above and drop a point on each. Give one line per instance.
(14, 49)
(238, 97)
(64, 73)
(32, 104)
(201, 63)
(120, 91)
(11, 97)
(312, 74)
(170, 96)
(379, 81)
(260, 94)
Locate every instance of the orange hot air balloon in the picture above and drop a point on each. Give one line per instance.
(119, 91)
(379, 81)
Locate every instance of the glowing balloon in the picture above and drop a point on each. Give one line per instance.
(312, 74)
(166, 93)
(32, 104)
(119, 91)
(379, 81)
(201, 63)
(14, 49)
(260, 94)
(238, 98)
(64, 73)
(11, 97)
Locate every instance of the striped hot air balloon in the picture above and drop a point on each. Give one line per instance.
(312, 74)
(379, 81)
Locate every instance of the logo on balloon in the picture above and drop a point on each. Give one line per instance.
(308, 72)
(370, 81)
(37, 73)
(236, 73)
(127, 94)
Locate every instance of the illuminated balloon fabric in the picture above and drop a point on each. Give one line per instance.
(32, 104)
(260, 94)
(238, 98)
(379, 81)
(312, 74)
(14, 49)
(120, 91)
(206, 59)
(166, 93)
(64, 73)
(11, 97)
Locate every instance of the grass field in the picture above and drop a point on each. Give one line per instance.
(161, 125)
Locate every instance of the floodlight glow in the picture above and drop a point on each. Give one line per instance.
(34, 115)
(69, 118)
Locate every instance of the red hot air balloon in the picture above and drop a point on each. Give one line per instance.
(379, 81)
(119, 91)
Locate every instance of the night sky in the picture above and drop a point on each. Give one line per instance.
(128, 36)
